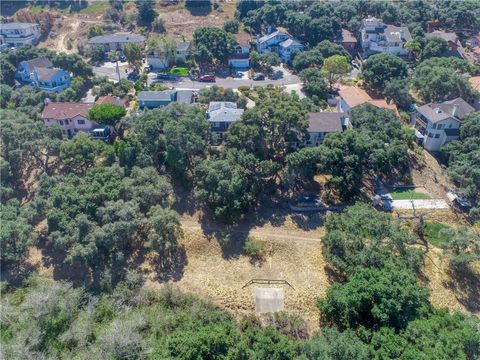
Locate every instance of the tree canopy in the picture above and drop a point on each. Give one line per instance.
(378, 69)
(107, 114)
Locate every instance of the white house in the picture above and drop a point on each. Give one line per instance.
(221, 114)
(281, 43)
(71, 117)
(378, 37)
(17, 34)
(116, 42)
(439, 123)
(240, 59)
(158, 60)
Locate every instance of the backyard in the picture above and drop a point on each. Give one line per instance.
(408, 194)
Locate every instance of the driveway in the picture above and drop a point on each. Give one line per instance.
(109, 70)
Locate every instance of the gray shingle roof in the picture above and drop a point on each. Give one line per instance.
(456, 108)
(270, 36)
(16, 25)
(184, 96)
(223, 111)
(325, 121)
(116, 38)
(183, 46)
(40, 62)
(290, 42)
(46, 74)
(156, 95)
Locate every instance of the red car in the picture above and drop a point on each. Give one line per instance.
(207, 78)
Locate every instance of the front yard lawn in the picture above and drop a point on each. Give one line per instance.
(408, 194)
(178, 71)
(432, 231)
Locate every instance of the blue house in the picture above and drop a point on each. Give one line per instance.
(156, 99)
(221, 114)
(40, 73)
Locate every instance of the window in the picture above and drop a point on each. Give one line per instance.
(430, 135)
(439, 126)
(66, 122)
(450, 126)
(81, 122)
(61, 122)
(437, 136)
(434, 126)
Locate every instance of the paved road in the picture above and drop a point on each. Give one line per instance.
(184, 82)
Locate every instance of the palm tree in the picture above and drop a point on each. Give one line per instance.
(113, 55)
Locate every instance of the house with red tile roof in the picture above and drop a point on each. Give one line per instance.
(351, 96)
(71, 117)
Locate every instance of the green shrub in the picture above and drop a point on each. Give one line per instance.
(253, 247)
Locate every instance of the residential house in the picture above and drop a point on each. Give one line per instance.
(71, 117)
(281, 43)
(378, 37)
(156, 99)
(347, 40)
(240, 59)
(473, 44)
(17, 34)
(109, 99)
(221, 114)
(158, 60)
(455, 48)
(322, 123)
(116, 42)
(473, 41)
(41, 74)
(439, 123)
(351, 96)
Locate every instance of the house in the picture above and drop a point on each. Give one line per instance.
(473, 41)
(439, 123)
(351, 96)
(281, 43)
(240, 59)
(109, 99)
(221, 114)
(347, 40)
(71, 117)
(156, 99)
(378, 37)
(18, 34)
(322, 123)
(455, 48)
(158, 60)
(116, 42)
(41, 74)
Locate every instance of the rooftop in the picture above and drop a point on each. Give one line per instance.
(397, 33)
(46, 74)
(475, 82)
(325, 121)
(456, 108)
(183, 45)
(447, 36)
(16, 25)
(40, 62)
(355, 96)
(223, 111)
(65, 110)
(290, 42)
(155, 95)
(116, 38)
(271, 36)
(347, 36)
(243, 39)
(109, 99)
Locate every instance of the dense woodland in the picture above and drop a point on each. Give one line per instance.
(99, 208)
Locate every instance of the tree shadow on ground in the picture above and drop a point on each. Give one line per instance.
(198, 10)
(15, 273)
(309, 220)
(185, 202)
(333, 275)
(171, 267)
(465, 283)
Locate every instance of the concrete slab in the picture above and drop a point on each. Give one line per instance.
(269, 300)
(420, 204)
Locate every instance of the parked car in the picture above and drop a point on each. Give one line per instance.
(238, 74)
(133, 76)
(207, 78)
(258, 77)
(276, 75)
(122, 58)
(147, 69)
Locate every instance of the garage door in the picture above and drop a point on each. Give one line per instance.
(239, 63)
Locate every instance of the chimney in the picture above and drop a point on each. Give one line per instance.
(402, 34)
(455, 110)
(47, 101)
